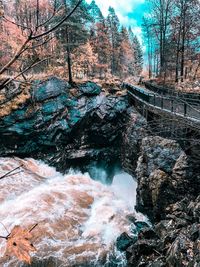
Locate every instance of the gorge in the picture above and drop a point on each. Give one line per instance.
(94, 129)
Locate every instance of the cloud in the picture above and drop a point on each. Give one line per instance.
(119, 5)
(124, 11)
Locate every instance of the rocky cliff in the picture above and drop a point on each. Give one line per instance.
(168, 192)
(64, 125)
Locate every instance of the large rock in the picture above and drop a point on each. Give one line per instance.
(90, 89)
(173, 241)
(163, 176)
(134, 132)
(64, 125)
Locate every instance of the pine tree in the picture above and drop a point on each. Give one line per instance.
(95, 12)
(84, 60)
(126, 54)
(113, 26)
(138, 56)
(74, 32)
(102, 47)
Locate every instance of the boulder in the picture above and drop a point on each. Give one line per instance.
(133, 134)
(90, 89)
(163, 176)
(124, 241)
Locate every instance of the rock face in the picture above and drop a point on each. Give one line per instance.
(133, 134)
(164, 176)
(168, 192)
(65, 125)
(173, 242)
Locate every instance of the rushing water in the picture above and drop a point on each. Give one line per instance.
(79, 218)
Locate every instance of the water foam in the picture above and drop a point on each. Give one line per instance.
(79, 218)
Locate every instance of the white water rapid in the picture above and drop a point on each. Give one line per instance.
(78, 218)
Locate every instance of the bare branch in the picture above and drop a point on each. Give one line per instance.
(37, 15)
(41, 44)
(33, 227)
(5, 175)
(23, 48)
(17, 55)
(25, 70)
(17, 24)
(51, 17)
(58, 24)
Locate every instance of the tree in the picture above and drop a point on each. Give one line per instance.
(187, 18)
(126, 54)
(138, 55)
(172, 33)
(34, 37)
(73, 32)
(84, 60)
(102, 47)
(147, 30)
(95, 12)
(113, 28)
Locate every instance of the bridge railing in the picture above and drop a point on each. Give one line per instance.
(171, 104)
(190, 97)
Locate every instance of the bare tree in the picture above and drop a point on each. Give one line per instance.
(36, 36)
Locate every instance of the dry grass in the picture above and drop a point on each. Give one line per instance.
(14, 104)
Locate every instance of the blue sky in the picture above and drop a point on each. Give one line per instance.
(130, 12)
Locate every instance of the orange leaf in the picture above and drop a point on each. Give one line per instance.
(19, 244)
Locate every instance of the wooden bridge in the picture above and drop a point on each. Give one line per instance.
(168, 107)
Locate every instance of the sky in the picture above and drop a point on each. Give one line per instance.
(130, 13)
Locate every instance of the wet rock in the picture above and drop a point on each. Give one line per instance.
(164, 176)
(140, 225)
(133, 134)
(64, 127)
(50, 88)
(124, 241)
(173, 242)
(157, 263)
(90, 89)
(148, 233)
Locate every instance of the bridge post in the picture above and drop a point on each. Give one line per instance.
(154, 99)
(162, 104)
(172, 105)
(185, 109)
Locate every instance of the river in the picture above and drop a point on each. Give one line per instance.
(79, 218)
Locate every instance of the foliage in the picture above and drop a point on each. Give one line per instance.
(19, 243)
(172, 33)
(86, 44)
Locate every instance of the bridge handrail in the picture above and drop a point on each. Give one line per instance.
(171, 89)
(173, 101)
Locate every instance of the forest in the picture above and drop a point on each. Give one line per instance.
(172, 35)
(87, 45)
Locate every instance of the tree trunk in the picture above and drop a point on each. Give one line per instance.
(183, 44)
(69, 59)
(69, 65)
(196, 71)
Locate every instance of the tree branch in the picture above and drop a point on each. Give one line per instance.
(25, 70)
(17, 24)
(22, 49)
(5, 175)
(17, 54)
(58, 24)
